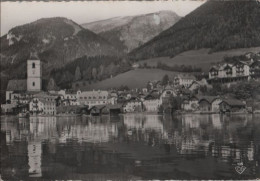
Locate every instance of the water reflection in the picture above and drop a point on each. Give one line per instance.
(130, 147)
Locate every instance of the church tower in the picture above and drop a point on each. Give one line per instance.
(34, 73)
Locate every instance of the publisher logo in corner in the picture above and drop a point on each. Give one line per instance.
(240, 168)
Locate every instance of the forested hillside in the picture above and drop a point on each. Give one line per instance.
(218, 25)
(90, 69)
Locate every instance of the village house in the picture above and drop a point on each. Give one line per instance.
(255, 69)
(96, 110)
(184, 80)
(134, 104)
(8, 108)
(151, 103)
(112, 98)
(239, 69)
(190, 104)
(167, 94)
(43, 104)
(135, 66)
(194, 86)
(92, 98)
(232, 105)
(68, 97)
(155, 84)
(209, 103)
(13, 87)
(215, 104)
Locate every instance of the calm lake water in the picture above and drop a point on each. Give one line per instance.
(130, 147)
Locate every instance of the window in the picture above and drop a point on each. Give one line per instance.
(33, 84)
(33, 65)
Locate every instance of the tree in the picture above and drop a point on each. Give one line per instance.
(165, 79)
(94, 73)
(101, 71)
(77, 74)
(52, 85)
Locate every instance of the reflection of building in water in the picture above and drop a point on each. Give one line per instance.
(143, 122)
(92, 132)
(147, 128)
(216, 121)
(230, 152)
(14, 132)
(190, 121)
(42, 127)
(34, 159)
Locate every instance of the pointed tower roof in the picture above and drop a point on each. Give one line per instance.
(34, 56)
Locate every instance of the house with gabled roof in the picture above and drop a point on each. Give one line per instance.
(134, 104)
(190, 104)
(184, 80)
(240, 69)
(151, 103)
(166, 94)
(209, 103)
(232, 105)
(15, 86)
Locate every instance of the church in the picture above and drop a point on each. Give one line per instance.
(22, 88)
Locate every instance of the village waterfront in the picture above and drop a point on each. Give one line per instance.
(131, 146)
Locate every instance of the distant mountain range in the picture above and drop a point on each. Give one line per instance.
(127, 33)
(218, 25)
(58, 41)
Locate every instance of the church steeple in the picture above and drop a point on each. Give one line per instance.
(34, 73)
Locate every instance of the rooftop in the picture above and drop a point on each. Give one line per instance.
(34, 56)
(17, 85)
(234, 102)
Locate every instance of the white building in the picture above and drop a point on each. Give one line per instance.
(238, 69)
(190, 104)
(92, 98)
(69, 98)
(184, 80)
(133, 105)
(44, 104)
(152, 103)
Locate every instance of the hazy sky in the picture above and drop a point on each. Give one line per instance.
(18, 13)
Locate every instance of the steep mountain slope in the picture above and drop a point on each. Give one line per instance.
(218, 25)
(127, 33)
(57, 41)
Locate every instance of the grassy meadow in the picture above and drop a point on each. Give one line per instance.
(198, 58)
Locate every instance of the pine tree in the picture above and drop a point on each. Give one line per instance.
(77, 74)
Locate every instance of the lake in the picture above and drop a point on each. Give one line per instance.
(130, 147)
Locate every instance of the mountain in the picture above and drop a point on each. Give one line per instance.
(218, 25)
(58, 41)
(127, 33)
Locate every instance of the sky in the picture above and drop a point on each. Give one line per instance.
(19, 13)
